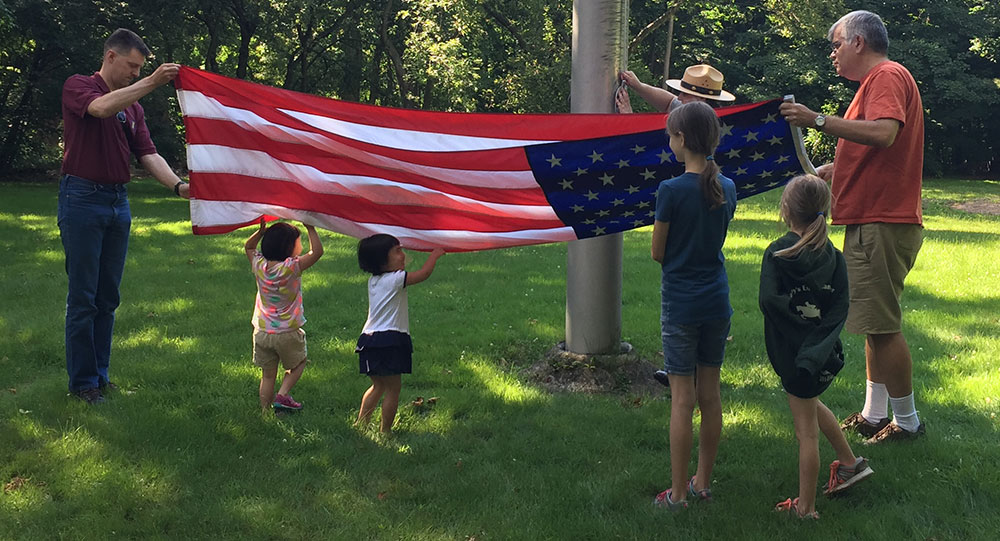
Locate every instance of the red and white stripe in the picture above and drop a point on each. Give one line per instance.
(460, 181)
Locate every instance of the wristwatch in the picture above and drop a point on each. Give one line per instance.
(820, 121)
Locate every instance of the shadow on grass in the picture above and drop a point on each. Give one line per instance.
(187, 454)
(166, 463)
(963, 238)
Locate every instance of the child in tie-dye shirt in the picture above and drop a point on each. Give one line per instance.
(278, 317)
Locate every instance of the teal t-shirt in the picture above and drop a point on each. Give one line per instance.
(695, 288)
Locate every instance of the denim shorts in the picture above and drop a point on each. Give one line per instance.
(685, 347)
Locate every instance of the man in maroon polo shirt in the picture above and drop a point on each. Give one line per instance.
(102, 126)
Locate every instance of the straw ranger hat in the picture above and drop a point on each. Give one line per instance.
(704, 81)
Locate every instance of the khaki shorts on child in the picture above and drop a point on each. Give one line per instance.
(288, 347)
(879, 256)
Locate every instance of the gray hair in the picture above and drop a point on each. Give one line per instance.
(867, 25)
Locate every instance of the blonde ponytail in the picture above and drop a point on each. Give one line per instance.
(804, 205)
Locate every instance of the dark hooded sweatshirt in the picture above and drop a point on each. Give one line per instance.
(804, 300)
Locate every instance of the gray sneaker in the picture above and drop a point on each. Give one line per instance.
(843, 477)
(663, 499)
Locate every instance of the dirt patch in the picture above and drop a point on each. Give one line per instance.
(17, 482)
(978, 206)
(625, 373)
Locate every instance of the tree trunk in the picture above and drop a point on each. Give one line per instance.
(354, 60)
(316, 32)
(428, 95)
(506, 23)
(375, 76)
(397, 60)
(247, 20)
(650, 28)
(670, 44)
(19, 119)
(294, 58)
(244, 57)
(212, 54)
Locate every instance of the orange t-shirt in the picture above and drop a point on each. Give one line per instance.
(872, 184)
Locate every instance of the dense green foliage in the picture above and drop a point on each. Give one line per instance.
(183, 453)
(494, 55)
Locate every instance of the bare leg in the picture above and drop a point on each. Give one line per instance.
(291, 378)
(710, 403)
(267, 377)
(682, 399)
(888, 358)
(390, 403)
(871, 363)
(369, 401)
(831, 429)
(804, 412)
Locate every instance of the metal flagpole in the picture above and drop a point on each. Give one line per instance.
(594, 266)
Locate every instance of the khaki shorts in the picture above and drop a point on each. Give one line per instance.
(269, 348)
(879, 256)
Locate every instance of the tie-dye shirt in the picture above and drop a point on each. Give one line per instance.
(279, 295)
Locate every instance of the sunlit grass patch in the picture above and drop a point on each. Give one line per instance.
(183, 450)
(503, 385)
(155, 337)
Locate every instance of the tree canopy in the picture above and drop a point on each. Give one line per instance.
(494, 55)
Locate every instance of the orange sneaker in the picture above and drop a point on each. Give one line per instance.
(793, 505)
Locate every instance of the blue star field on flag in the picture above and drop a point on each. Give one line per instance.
(607, 185)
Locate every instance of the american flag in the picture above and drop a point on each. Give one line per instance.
(460, 181)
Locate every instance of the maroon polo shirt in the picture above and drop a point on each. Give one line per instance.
(96, 148)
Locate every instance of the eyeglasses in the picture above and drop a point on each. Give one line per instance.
(836, 45)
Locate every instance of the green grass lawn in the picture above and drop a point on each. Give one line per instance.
(183, 451)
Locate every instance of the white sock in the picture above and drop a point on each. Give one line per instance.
(876, 402)
(904, 413)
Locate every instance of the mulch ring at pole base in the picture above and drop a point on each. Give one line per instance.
(624, 373)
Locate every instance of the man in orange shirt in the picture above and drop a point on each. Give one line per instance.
(876, 180)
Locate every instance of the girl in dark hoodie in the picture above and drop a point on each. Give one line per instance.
(804, 299)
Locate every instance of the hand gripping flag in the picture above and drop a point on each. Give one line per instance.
(460, 181)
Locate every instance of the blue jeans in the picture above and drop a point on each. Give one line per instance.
(94, 222)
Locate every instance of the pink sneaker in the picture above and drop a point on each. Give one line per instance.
(286, 402)
(664, 499)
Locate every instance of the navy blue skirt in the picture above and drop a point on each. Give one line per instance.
(385, 353)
